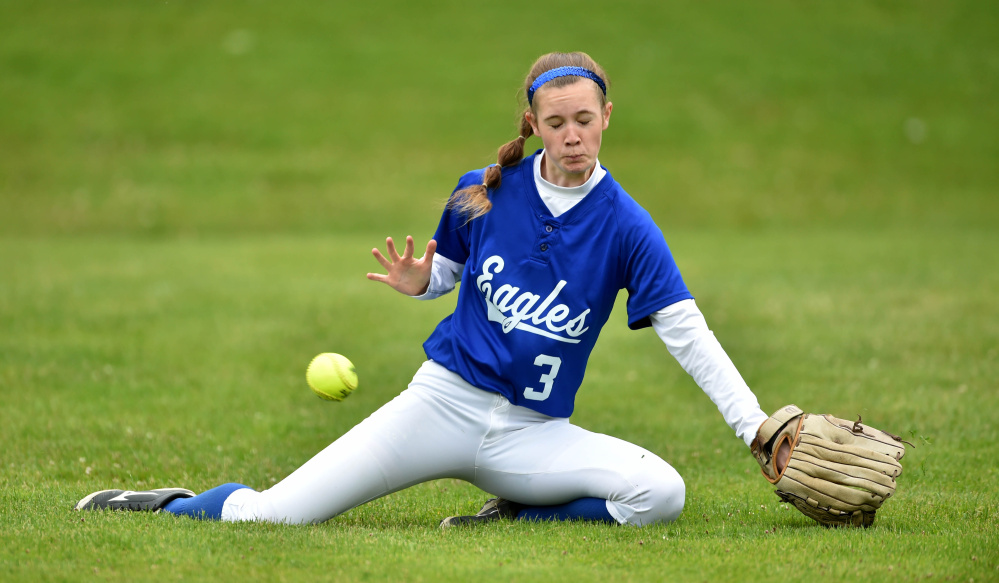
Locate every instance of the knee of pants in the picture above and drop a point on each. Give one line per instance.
(659, 497)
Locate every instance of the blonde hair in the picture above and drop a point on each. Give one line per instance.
(473, 202)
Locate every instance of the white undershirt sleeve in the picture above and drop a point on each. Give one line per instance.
(682, 327)
(444, 276)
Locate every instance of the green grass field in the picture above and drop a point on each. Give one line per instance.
(189, 193)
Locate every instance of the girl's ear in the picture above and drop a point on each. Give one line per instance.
(529, 116)
(608, 107)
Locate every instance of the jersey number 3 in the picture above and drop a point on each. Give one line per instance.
(546, 379)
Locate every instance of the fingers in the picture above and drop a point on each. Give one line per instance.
(407, 253)
(390, 244)
(403, 273)
(381, 259)
(431, 249)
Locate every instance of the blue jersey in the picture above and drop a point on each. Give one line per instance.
(536, 289)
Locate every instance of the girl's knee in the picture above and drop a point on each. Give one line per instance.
(658, 497)
(667, 499)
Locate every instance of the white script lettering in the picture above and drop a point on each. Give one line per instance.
(511, 310)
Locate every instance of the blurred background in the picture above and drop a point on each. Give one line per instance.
(175, 118)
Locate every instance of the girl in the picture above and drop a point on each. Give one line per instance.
(542, 245)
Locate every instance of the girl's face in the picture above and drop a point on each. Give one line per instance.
(569, 120)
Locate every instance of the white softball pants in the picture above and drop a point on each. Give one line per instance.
(443, 427)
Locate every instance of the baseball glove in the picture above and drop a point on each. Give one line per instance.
(838, 472)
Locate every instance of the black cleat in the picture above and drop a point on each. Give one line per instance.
(494, 509)
(148, 500)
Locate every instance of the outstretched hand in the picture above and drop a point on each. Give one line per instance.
(405, 274)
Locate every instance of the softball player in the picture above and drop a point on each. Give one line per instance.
(542, 245)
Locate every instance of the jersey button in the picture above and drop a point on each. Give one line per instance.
(548, 228)
(544, 246)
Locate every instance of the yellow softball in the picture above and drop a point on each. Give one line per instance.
(331, 376)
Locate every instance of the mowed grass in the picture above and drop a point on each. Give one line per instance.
(136, 363)
(189, 193)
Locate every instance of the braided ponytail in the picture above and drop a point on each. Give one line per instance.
(473, 202)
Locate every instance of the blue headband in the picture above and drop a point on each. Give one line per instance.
(563, 72)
